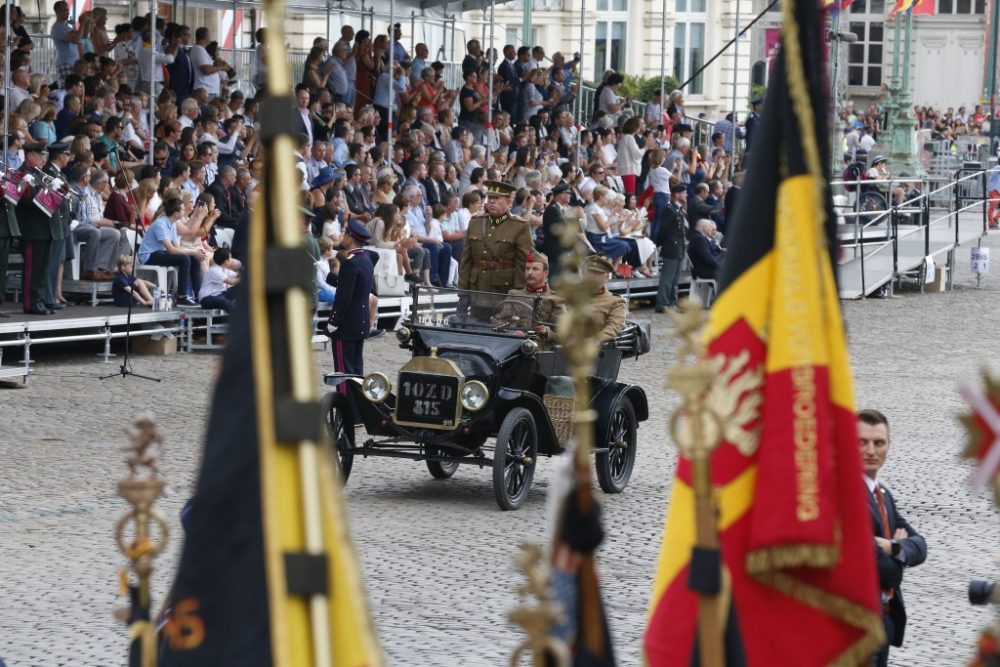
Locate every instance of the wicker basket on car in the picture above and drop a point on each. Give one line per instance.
(560, 409)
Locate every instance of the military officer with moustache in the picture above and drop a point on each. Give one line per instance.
(36, 236)
(609, 306)
(9, 231)
(536, 285)
(496, 245)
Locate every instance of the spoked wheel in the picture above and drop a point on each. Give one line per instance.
(614, 467)
(872, 201)
(340, 426)
(514, 459)
(441, 469)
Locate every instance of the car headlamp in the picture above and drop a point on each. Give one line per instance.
(474, 395)
(529, 347)
(403, 334)
(376, 387)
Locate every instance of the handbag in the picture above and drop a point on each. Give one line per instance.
(390, 284)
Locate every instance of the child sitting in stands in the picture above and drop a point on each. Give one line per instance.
(326, 263)
(217, 286)
(127, 290)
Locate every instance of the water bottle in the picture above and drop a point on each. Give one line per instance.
(159, 299)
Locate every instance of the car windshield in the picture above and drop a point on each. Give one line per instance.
(481, 311)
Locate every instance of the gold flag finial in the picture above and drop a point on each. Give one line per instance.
(537, 620)
(142, 533)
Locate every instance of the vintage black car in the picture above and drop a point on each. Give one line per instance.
(487, 370)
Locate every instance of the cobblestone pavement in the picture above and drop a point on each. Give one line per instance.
(437, 555)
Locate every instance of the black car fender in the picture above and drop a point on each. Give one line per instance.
(507, 399)
(607, 394)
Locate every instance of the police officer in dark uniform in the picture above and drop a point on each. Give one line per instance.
(36, 236)
(9, 231)
(349, 323)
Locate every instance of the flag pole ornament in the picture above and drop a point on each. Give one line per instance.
(983, 427)
(546, 650)
(147, 537)
(578, 533)
(709, 404)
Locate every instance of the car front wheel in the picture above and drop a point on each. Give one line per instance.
(514, 459)
(340, 428)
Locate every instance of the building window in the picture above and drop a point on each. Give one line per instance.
(689, 43)
(961, 6)
(610, 34)
(513, 35)
(864, 57)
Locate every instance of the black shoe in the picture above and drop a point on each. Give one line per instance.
(38, 309)
(55, 306)
(413, 278)
(376, 333)
(186, 301)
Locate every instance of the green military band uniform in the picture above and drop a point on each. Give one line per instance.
(36, 243)
(494, 254)
(9, 230)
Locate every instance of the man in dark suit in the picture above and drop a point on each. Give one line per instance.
(222, 190)
(729, 203)
(697, 206)
(704, 253)
(357, 199)
(552, 218)
(181, 70)
(434, 183)
(670, 239)
(897, 545)
(508, 75)
(350, 322)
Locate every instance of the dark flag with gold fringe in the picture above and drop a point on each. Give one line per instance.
(793, 523)
(268, 575)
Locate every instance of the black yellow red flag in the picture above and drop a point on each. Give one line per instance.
(793, 518)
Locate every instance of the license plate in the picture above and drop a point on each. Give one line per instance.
(428, 399)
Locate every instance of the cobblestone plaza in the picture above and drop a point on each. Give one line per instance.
(437, 555)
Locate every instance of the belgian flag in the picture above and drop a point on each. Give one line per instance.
(793, 520)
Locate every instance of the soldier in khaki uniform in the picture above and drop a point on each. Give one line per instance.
(610, 306)
(496, 245)
(536, 284)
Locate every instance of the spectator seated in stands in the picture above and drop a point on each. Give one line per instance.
(127, 290)
(704, 253)
(327, 262)
(161, 247)
(100, 236)
(220, 281)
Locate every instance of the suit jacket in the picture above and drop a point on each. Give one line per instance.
(913, 551)
(350, 304)
(729, 206)
(551, 245)
(705, 255)
(433, 191)
(698, 209)
(181, 75)
(225, 201)
(356, 201)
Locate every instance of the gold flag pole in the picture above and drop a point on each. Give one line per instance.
(696, 428)
(141, 488)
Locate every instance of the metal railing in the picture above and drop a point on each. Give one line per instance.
(965, 191)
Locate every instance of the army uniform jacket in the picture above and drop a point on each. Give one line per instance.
(672, 232)
(611, 308)
(550, 306)
(34, 224)
(494, 255)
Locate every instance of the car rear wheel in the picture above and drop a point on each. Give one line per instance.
(340, 427)
(614, 467)
(441, 469)
(514, 459)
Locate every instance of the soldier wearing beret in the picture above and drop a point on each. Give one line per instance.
(36, 236)
(349, 323)
(611, 307)
(496, 245)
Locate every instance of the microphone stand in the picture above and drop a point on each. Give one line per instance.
(125, 369)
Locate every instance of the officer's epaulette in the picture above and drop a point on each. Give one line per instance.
(516, 218)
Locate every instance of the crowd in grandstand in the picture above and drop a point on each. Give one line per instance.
(621, 165)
